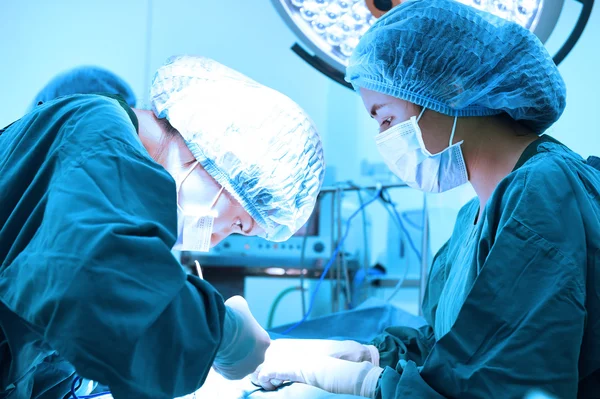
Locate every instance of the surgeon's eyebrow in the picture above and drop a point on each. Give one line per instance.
(375, 108)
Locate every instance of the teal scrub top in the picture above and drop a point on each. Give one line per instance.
(513, 299)
(88, 283)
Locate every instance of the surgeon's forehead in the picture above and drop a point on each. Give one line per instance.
(375, 101)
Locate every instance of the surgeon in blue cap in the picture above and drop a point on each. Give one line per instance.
(85, 80)
(513, 298)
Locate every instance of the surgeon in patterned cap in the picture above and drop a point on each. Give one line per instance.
(96, 194)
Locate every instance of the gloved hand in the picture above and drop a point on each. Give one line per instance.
(330, 374)
(244, 341)
(345, 350)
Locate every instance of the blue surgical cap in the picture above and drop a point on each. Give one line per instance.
(459, 61)
(254, 141)
(85, 80)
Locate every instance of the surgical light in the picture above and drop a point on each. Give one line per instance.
(332, 28)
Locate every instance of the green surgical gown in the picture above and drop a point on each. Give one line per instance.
(87, 280)
(513, 299)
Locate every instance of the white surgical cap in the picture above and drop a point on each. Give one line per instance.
(256, 142)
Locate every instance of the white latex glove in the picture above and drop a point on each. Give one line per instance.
(345, 350)
(244, 341)
(327, 373)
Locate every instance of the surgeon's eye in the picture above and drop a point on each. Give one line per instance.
(385, 124)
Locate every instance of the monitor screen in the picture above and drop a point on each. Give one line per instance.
(311, 228)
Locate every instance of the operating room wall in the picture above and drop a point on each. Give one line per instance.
(132, 38)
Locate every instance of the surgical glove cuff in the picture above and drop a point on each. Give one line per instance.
(344, 377)
(374, 353)
(244, 341)
(228, 352)
(369, 385)
(345, 350)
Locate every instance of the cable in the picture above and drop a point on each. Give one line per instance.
(330, 262)
(302, 260)
(410, 241)
(392, 216)
(342, 257)
(366, 252)
(340, 243)
(401, 228)
(407, 220)
(333, 246)
(302, 286)
(75, 381)
(388, 202)
(276, 301)
(366, 256)
(94, 395)
(397, 217)
(366, 249)
(398, 285)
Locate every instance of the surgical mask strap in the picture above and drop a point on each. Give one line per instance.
(453, 131)
(186, 174)
(421, 114)
(217, 198)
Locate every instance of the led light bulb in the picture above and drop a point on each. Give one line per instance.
(336, 26)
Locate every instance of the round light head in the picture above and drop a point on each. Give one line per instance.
(332, 28)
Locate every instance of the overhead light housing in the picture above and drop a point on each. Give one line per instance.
(331, 29)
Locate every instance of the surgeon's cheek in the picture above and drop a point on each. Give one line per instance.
(216, 238)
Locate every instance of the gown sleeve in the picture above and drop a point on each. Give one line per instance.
(404, 344)
(522, 322)
(99, 282)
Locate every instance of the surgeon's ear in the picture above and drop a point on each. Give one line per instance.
(436, 129)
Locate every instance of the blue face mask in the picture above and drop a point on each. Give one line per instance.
(404, 152)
